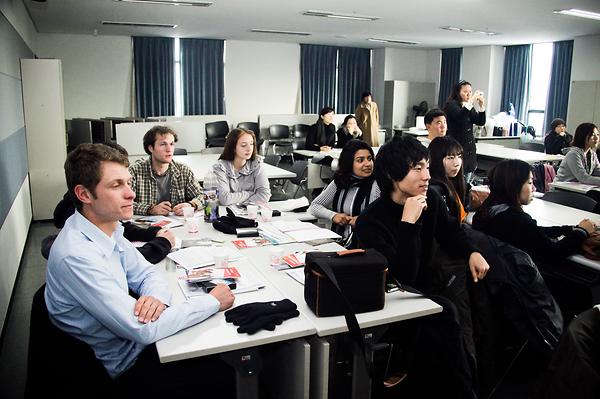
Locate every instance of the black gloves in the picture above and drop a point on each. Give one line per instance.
(256, 316)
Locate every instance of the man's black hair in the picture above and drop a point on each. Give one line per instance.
(394, 160)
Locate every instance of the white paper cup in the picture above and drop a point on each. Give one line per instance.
(252, 211)
(188, 212)
(276, 256)
(221, 261)
(266, 214)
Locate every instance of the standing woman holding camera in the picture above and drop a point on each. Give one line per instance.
(464, 109)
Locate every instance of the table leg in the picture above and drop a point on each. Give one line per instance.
(247, 364)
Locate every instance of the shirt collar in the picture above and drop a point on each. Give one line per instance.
(94, 234)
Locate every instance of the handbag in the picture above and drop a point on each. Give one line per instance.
(338, 282)
(345, 283)
(591, 246)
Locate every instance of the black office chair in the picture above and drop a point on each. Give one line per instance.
(180, 151)
(59, 364)
(300, 131)
(300, 168)
(574, 200)
(254, 127)
(216, 132)
(279, 135)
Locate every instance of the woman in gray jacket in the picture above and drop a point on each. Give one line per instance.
(581, 162)
(240, 172)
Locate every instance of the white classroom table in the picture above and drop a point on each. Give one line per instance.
(548, 213)
(573, 186)
(498, 152)
(214, 335)
(201, 164)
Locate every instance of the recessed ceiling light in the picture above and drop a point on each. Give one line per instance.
(469, 30)
(329, 14)
(196, 3)
(146, 24)
(574, 12)
(374, 39)
(280, 32)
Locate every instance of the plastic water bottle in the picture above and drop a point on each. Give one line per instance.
(511, 110)
(211, 198)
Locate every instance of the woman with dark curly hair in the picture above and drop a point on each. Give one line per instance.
(352, 189)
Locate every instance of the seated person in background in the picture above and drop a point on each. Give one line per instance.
(158, 241)
(447, 178)
(321, 136)
(352, 189)
(92, 267)
(581, 162)
(403, 224)
(557, 138)
(435, 123)
(240, 171)
(348, 131)
(502, 216)
(162, 185)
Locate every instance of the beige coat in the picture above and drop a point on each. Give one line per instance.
(367, 116)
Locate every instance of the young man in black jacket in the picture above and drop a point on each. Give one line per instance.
(402, 224)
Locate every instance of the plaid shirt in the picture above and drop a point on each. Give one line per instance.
(184, 187)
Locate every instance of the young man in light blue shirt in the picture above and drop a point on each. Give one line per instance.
(92, 267)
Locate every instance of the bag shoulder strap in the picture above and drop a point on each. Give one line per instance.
(351, 321)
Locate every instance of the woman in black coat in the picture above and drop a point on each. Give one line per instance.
(463, 110)
(321, 136)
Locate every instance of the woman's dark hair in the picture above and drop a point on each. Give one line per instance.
(325, 111)
(347, 118)
(394, 160)
(231, 142)
(556, 123)
(343, 175)
(366, 94)
(506, 182)
(455, 93)
(583, 132)
(439, 148)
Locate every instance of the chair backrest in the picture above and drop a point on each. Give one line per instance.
(180, 151)
(277, 132)
(300, 130)
(568, 198)
(250, 126)
(272, 159)
(216, 132)
(530, 146)
(299, 144)
(59, 363)
(217, 129)
(300, 168)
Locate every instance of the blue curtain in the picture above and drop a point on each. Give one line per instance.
(560, 81)
(354, 77)
(202, 76)
(154, 77)
(517, 64)
(317, 77)
(450, 73)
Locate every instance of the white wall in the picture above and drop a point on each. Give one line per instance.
(378, 77)
(586, 58)
(97, 73)
(16, 13)
(483, 67)
(262, 78)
